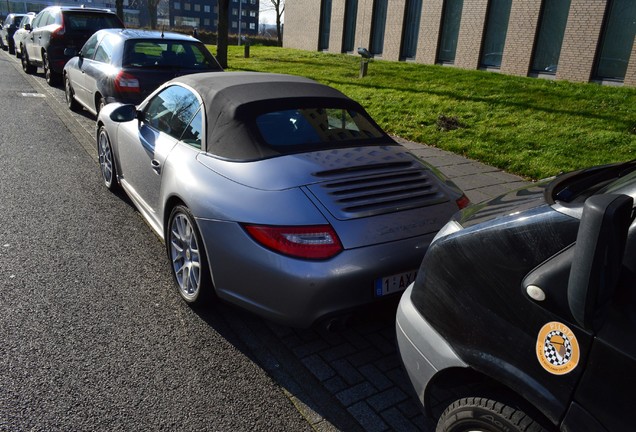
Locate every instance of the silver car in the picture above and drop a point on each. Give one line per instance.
(275, 193)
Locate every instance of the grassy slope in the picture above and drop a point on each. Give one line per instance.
(531, 127)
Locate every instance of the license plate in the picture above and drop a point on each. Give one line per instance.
(395, 283)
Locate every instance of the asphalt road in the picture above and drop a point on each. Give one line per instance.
(92, 333)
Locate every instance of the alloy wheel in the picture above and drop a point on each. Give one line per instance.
(185, 256)
(105, 159)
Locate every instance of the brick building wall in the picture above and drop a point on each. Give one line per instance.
(363, 23)
(428, 38)
(393, 30)
(580, 41)
(302, 24)
(522, 28)
(630, 76)
(471, 31)
(337, 25)
(578, 52)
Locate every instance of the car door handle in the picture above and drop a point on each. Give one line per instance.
(156, 166)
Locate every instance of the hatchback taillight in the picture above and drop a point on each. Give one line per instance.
(58, 32)
(462, 202)
(126, 83)
(308, 242)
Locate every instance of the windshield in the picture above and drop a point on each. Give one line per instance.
(579, 185)
(169, 54)
(313, 126)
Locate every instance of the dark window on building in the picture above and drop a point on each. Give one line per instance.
(349, 35)
(496, 30)
(554, 17)
(449, 33)
(378, 25)
(325, 25)
(412, 14)
(617, 40)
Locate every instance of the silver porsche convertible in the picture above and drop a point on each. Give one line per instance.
(275, 193)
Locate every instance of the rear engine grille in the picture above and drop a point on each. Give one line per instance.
(381, 189)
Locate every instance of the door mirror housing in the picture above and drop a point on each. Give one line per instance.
(124, 113)
(27, 27)
(598, 256)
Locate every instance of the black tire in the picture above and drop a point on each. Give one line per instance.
(26, 66)
(99, 104)
(188, 260)
(11, 47)
(107, 160)
(51, 77)
(481, 414)
(69, 94)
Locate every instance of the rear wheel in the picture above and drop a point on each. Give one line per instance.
(11, 47)
(187, 256)
(71, 103)
(26, 66)
(106, 160)
(481, 414)
(51, 77)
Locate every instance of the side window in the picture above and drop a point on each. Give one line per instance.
(48, 19)
(37, 20)
(193, 133)
(88, 50)
(172, 110)
(104, 51)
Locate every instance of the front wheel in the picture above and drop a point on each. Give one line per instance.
(11, 47)
(481, 414)
(26, 66)
(51, 77)
(71, 103)
(106, 160)
(187, 257)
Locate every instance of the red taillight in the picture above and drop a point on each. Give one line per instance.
(126, 83)
(309, 242)
(58, 32)
(462, 202)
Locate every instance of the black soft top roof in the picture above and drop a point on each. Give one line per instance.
(232, 100)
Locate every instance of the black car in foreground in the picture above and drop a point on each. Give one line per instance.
(57, 28)
(8, 28)
(523, 313)
(127, 65)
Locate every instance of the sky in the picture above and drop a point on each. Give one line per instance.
(268, 17)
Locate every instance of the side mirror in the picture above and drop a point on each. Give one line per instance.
(28, 27)
(598, 256)
(70, 52)
(124, 113)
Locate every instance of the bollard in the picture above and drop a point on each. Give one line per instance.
(246, 47)
(364, 65)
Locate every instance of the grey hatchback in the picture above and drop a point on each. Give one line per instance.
(127, 65)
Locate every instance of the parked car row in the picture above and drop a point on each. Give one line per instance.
(283, 196)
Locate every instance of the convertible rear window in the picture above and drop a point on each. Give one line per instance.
(313, 126)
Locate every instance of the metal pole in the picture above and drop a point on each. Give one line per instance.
(239, 24)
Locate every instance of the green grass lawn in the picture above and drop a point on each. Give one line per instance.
(532, 127)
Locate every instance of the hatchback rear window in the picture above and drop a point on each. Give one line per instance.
(313, 126)
(90, 21)
(168, 54)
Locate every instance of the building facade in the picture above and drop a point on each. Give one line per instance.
(131, 15)
(204, 14)
(575, 40)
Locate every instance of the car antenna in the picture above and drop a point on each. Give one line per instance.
(162, 27)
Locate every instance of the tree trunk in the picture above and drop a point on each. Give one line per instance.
(222, 33)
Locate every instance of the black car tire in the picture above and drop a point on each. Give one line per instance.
(107, 160)
(481, 414)
(11, 47)
(99, 104)
(51, 77)
(71, 103)
(188, 260)
(26, 66)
